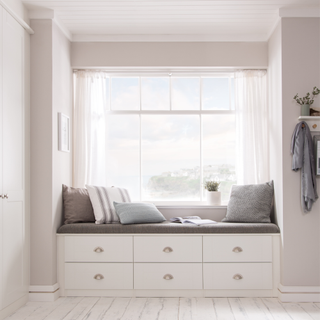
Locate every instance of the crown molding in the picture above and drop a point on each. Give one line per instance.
(299, 12)
(16, 17)
(40, 14)
(167, 38)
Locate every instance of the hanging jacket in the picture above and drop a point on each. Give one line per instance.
(303, 158)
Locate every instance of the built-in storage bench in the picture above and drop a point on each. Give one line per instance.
(168, 259)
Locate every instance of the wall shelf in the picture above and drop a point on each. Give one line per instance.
(313, 122)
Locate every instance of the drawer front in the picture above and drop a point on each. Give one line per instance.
(168, 276)
(98, 275)
(167, 249)
(237, 275)
(98, 249)
(237, 248)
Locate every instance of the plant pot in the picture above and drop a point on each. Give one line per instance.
(214, 198)
(305, 110)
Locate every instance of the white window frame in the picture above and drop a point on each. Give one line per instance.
(200, 112)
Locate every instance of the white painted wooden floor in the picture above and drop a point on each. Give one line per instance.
(92, 308)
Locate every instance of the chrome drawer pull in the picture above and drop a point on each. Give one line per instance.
(167, 250)
(237, 276)
(98, 276)
(98, 249)
(237, 249)
(168, 277)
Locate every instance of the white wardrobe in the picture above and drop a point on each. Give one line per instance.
(14, 242)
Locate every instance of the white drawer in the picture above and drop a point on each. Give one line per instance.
(179, 275)
(115, 275)
(237, 248)
(98, 249)
(168, 249)
(237, 275)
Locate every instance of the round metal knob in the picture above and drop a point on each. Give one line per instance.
(2, 196)
(167, 277)
(167, 250)
(237, 249)
(314, 126)
(5, 196)
(237, 276)
(98, 276)
(98, 249)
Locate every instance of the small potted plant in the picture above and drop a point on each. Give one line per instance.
(306, 101)
(213, 195)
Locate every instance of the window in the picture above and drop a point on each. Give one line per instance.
(166, 135)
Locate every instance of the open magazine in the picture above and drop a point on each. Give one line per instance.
(192, 219)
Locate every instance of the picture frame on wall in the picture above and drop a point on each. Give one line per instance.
(63, 132)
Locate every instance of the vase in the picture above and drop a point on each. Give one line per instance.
(305, 110)
(214, 198)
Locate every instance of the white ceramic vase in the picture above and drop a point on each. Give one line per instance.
(214, 198)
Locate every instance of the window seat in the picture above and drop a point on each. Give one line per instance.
(168, 227)
(169, 260)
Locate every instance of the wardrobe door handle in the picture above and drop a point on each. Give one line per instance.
(237, 276)
(5, 196)
(237, 249)
(2, 196)
(98, 250)
(167, 250)
(167, 277)
(98, 276)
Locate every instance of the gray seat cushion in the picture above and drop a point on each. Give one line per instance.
(169, 227)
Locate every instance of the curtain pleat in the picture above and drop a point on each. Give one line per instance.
(252, 130)
(89, 136)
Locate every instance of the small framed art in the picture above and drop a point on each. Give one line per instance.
(64, 132)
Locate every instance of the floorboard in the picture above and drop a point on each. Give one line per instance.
(101, 308)
(311, 309)
(296, 312)
(238, 311)
(255, 309)
(276, 309)
(222, 309)
(196, 309)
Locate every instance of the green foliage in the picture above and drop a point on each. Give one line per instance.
(211, 185)
(307, 99)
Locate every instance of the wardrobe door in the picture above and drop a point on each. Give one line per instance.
(13, 211)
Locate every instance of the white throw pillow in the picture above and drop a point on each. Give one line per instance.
(102, 202)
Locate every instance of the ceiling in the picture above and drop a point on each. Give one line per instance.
(175, 20)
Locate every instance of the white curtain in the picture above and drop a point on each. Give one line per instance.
(89, 148)
(252, 126)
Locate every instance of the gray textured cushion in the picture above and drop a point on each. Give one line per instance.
(250, 203)
(130, 213)
(77, 205)
(168, 227)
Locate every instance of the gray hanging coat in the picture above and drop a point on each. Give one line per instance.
(303, 158)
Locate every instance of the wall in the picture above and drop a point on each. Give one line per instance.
(164, 54)
(300, 73)
(51, 92)
(275, 121)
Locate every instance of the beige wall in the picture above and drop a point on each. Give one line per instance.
(51, 92)
(275, 121)
(300, 73)
(166, 54)
(294, 51)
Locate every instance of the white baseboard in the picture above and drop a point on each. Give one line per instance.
(44, 293)
(299, 293)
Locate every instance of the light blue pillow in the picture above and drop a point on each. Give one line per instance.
(131, 213)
